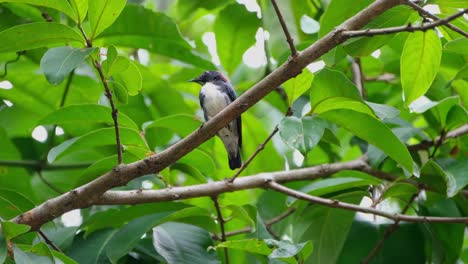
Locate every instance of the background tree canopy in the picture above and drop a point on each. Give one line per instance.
(354, 125)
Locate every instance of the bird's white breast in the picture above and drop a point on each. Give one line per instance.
(214, 100)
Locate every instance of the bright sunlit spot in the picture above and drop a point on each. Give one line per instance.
(209, 40)
(385, 205)
(72, 218)
(433, 9)
(316, 66)
(251, 6)
(309, 25)
(59, 131)
(376, 54)
(255, 56)
(298, 158)
(6, 85)
(8, 103)
(143, 56)
(147, 185)
(40, 134)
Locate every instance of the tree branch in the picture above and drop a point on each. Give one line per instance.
(424, 13)
(425, 144)
(368, 210)
(115, 112)
(91, 192)
(390, 230)
(221, 225)
(285, 29)
(409, 27)
(358, 76)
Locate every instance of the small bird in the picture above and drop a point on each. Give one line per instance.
(217, 93)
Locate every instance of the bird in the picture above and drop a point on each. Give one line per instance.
(217, 93)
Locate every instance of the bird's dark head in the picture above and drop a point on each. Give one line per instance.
(209, 76)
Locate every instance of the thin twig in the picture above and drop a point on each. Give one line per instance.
(221, 224)
(108, 94)
(358, 76)
(39, 165)
(439, 142)
(285, 29)
(409, 27)
(390, 230)
(48, 241)
(368, 210)
(425, 144)
(425, 13)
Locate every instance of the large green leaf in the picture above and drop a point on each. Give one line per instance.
(435, 177)
(182, 124)
(91, 249)
(302, 134)
(86, 113)
(57, 63)
(458, 46)
(298, 85)
(102, 13)
(139, 27)
(459, 171)
(374, 132)
(63, 6)
(233, 35)
(12, 230)
(330, 83)
(420, 62)
(182, 243)
(36, 35)
(81, 8)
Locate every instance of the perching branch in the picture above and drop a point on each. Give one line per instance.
(91, 193)
(368, 210)
(221, 225)
(390, 230)
(409, 27)
(425, 13)
(285, 29)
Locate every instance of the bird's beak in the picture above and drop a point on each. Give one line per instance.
(196, 80)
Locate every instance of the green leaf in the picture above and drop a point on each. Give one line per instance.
(449, 3)
(114, 62)
(60, 5)
(130, 78)
(181, 124)
(102, 13)
(435, 177)
(11, 230)
(158, 34)
(302, 134)
(57, 63)
(329, 83)
(298, 85)
(37, 35)
(99, 138)
(343, 103)
(13, 203)
(86, 113)
(459, 171)
(373, 131)
(91, 249)
(182, 243)
(119, 91)
(285, 249)
(458, 46)
(335, 14)
(364, 46)
(420, 62)
(400, 190)
(256, 246)
(200, 160)
(81, 8)
(233, 35)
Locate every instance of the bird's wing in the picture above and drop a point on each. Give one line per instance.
(232, 96)
(202, 99)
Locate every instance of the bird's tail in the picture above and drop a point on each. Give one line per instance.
(235, 160)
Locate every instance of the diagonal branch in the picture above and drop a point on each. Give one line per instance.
(285, 29)
(90, 193)
(409, 27)
(368, 210)
(221, 225)
(424, 13)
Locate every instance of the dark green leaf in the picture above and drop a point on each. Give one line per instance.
(12, 230)
(182, 243)
(36, 35)
(57, 63)
(3, 247)
(91, 249)
(435, 177)
(298, 85)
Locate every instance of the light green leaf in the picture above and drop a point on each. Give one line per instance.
(80, 7)
(57, 63)
(343, 103)
(182, 243)
(158, 34)
(256, 246)
(60, 5)
(37, 35)
(302, 134)
(420, 62)
(130, 78)
(329, 83)
(373, 131)
(233, 35)
(182, 124)
(458, 46)
(86, 113)
(102, 13)
(449, 3)
(298, 85)
(112, 57)
(11, 230)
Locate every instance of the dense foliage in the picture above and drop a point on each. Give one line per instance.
(370, 95)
